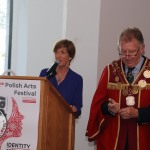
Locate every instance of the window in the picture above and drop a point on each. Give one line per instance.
(5, 34)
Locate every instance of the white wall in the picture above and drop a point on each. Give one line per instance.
(19, 38)
(37, 26)
(83, 29)
(93, 26)
(115, 16)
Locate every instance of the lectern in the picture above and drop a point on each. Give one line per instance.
(56, 122)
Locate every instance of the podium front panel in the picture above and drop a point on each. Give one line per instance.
(19, 105)
(33, 115)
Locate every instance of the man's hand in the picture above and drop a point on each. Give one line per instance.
(128, 112)
(113, 106)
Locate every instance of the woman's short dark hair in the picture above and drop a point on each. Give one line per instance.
(69, 45)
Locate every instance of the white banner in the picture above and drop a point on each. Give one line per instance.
(19, 114)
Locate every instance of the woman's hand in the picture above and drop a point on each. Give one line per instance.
(74, 109)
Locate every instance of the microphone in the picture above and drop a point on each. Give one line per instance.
(52, 70)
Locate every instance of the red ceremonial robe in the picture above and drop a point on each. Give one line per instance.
(110, 131)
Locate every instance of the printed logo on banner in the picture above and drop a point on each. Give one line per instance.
(2, 123)
(1, 84)
(28, 100)
(12, 126)
(3, 119)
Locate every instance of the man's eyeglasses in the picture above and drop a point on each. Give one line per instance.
(128, 54)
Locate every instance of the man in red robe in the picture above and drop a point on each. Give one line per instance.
(120, 110)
